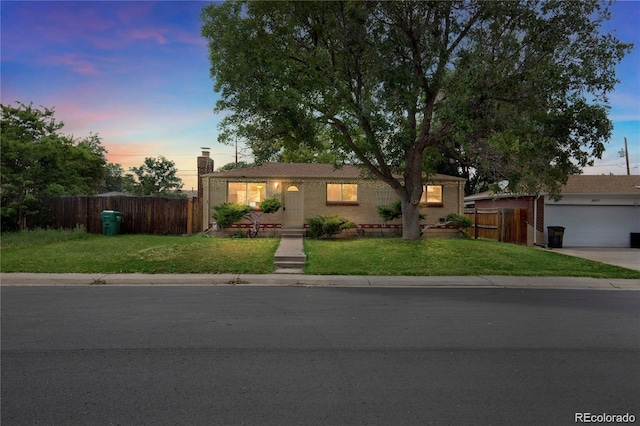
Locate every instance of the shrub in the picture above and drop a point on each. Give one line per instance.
(320, 226)
(335, 224)
(270, 205)
(227, 214)
(394, 211)
(461, 222)
(315, 226)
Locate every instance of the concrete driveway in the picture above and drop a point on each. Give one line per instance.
(625, 257)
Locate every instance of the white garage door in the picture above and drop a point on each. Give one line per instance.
(594, 226)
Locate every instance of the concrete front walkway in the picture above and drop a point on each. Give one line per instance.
(290, 257)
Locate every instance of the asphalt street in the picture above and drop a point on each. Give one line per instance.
(133, 355)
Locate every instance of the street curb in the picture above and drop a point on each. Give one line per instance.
(284, 280)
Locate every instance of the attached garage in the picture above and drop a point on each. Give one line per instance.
(594, 225)
(595, 210)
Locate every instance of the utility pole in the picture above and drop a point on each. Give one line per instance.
(626, 150)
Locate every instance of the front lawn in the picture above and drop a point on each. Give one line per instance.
(447, 257)
(77, 251)
(89, 253)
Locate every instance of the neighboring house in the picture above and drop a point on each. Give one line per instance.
(596, 211)
(308, 190)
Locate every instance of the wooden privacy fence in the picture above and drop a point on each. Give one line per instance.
(142, 215)
(505, 225)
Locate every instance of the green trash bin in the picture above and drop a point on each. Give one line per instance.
(111, 221)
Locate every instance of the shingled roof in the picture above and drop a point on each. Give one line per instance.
(304, 171)
(582, 184)
(602, 184)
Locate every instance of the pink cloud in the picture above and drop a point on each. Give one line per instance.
(130, 154)
(147, 34)
(125, 37)
(71, 61)
(66, 23)
(76, 115)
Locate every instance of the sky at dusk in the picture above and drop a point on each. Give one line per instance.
(137, 74)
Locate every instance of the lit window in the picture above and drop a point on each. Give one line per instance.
(342, 192)
(249, 193)
(432, 194)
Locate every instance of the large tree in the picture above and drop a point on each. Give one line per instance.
(114, 178)
(39, 161)
(155, 176)
(516, 90)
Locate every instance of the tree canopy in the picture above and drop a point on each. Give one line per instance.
(39, 161)
(155, 176)
(511, 90)
(238, 165)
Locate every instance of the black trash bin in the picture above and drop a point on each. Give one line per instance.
(554, 236)
(635, 240)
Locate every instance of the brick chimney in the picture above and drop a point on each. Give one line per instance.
(205, 165)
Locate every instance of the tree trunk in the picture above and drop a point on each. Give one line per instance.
(410, 220)
(22, 214)
(412, 193)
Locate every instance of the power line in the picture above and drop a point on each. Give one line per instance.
(614, 164)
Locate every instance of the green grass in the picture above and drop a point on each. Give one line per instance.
(447, 257)
(88, 253)
(76, 251)
(41, 237)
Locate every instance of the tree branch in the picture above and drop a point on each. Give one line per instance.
(385, 174)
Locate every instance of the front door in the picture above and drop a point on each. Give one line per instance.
(293, 206)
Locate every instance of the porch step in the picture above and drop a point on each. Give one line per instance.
(290, 260)
(290, 254)
(290, 265)
(286, 232)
